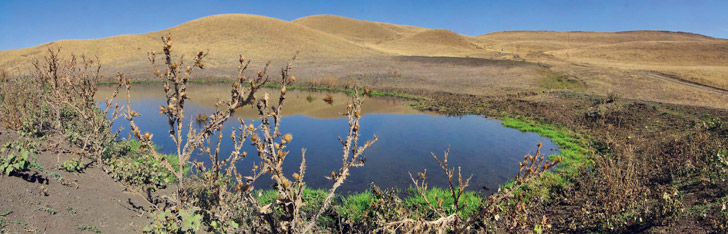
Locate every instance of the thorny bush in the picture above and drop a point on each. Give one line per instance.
(59, 97)
(225, 193)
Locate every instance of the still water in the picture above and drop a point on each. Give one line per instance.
(480, 146)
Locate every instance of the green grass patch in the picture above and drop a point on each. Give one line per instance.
(415, 202)
(48, 210)
(133, 166)
(313, 197)
(6, 213)
(356, 205)
(90, 228)
(575, 154)
(557, 80)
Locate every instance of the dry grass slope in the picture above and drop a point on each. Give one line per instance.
(433, 42)
(595, 37)
(351, 29)
(604, 61)
(688, 56)
(680, 53)
(226, 36)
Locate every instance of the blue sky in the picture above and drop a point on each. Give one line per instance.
(26, 23)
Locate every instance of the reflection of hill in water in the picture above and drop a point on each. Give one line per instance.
(296, 100)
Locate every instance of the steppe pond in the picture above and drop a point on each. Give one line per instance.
(480, 146)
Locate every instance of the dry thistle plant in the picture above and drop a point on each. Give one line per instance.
(225, 194)
(22, 105)
(534, 165)
(70, 90)
(488, 213)
(352, 156)
(444, 221)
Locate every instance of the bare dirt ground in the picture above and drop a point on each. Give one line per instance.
(38, 203)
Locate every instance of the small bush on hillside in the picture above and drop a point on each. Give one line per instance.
(72, 165)
(140, 170)
(14, 163)
(170, 221)
(15, 156)
(22, 107)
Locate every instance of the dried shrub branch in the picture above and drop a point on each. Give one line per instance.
(225, 195)
(488, 214)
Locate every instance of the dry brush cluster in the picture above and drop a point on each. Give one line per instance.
(58, 97)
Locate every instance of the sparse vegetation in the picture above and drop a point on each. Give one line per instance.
(71, 165)
(48, 210)
(557, 80)
(6, 213)
(71, 210)
(16, 156)
(90, 228)
(13, 163)
(624, 165)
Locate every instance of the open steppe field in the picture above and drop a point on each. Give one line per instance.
(665, 66)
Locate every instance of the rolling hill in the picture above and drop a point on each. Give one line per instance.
(351, 29)
(691, 56)
(432, 42)
(225, 36)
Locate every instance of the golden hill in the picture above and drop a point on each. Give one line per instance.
(594, 37)
(682, 53)
(360, 31)
(393, 39)
(225, 36)
(351, 29)
(433, 42)
(689, 56)
(542, 41)
(327, 38)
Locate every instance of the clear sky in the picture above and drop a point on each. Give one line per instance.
(26, 23)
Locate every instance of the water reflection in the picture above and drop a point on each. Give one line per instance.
(481, 146)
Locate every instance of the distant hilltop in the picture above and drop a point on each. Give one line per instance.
(330, 37)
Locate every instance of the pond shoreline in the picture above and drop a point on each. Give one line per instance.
(401, 136)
